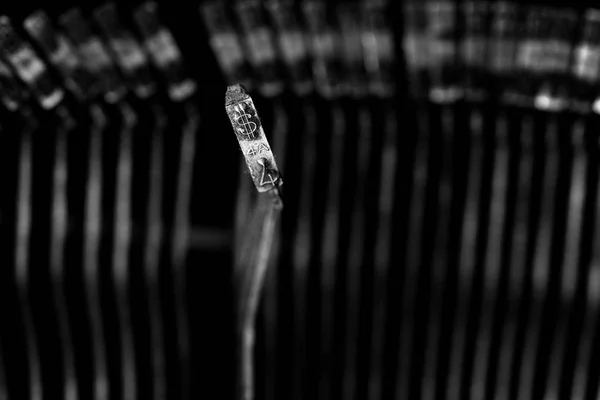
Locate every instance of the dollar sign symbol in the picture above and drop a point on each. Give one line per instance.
(245, 126)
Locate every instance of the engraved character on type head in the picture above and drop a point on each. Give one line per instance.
(246, 121)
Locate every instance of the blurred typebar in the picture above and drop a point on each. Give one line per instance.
(440, 236)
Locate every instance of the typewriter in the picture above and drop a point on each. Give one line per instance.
(441, 219)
